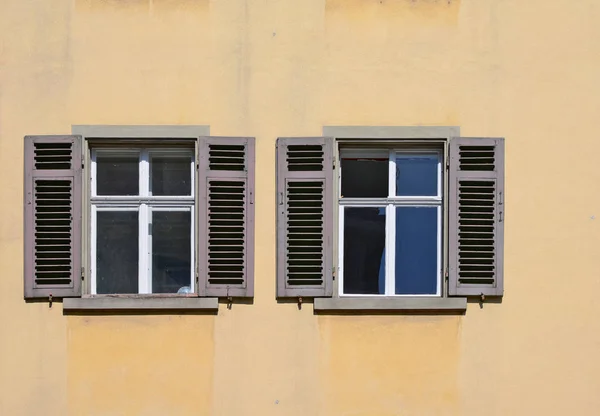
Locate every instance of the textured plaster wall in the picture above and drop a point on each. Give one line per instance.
(525, 70)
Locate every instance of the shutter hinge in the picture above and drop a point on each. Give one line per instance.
(82, 161)
(333, 273)
(334, 163)
(446, 275)
(82, 272)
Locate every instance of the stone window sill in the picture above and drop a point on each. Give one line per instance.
(391, 304)
(141, 303)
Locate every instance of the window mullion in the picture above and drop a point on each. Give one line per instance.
(392, 174)
(341, 250)
(93, 243)
(390, 255)
(144, 273)
(390, 227)
(93, 173)
(144, 249)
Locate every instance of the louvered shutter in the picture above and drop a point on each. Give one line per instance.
(52, 216)
(305, 217)
(226, 216)
(476, 216)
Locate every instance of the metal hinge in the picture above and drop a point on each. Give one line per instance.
(82, 161)
(82, 272)
(446, 275)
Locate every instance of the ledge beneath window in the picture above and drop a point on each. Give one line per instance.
(394, 304)
(184, 304)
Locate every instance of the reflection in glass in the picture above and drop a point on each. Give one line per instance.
(116, 252)
(117, 174)
(171, 174)
(171, 251)
(364, 250)
(365, 178)
(417, 175)
(416, 250)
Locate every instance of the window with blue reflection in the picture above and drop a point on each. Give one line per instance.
(417, 174)
(416, 250)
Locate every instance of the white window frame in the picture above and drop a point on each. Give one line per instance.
(390, 203)
(145, 203)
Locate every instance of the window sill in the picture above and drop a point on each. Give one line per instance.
(136, 303)
(391, 304)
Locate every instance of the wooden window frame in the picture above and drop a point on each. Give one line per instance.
(144, 203)
(390, 203)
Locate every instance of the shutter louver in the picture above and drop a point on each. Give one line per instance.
(304, 217)
(226, 217)
(52, 216)
(476, 217)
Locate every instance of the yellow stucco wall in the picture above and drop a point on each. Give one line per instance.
(523, 69)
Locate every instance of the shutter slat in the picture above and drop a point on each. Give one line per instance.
(226, 216)
(305, 217)
(476, 202)
(52, 193)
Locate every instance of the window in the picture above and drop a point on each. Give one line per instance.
(413, 220)
(142, 222)
(390, 222)
(139, 210)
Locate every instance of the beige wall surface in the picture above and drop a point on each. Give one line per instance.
(524, 70)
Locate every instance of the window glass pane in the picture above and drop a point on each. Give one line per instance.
(365, 178)
(117, 174)
(171, 251)
(416, 175)
(116, 252)
(364, 250)
(416, 250)
(171, 174)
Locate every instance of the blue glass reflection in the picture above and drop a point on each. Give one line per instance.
(416, 250)
(417, 175)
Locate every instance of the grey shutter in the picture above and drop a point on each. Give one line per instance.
(476, 217)
(226, 216)
(305, 217)
(52, 216)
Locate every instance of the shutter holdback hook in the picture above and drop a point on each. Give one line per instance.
(50, 300)
(229, 299)
(299, 302)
